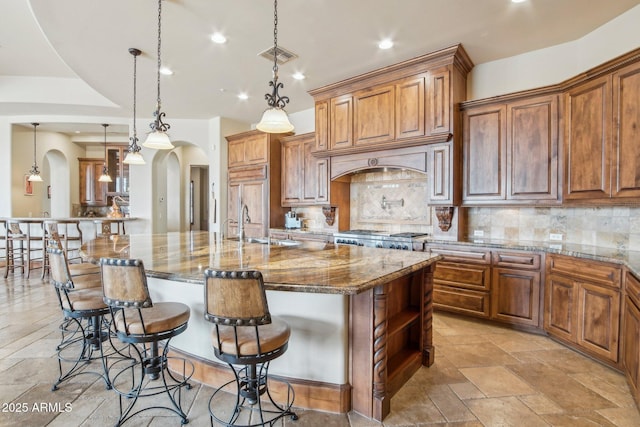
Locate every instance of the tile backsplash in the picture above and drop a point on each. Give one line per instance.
(615, 227)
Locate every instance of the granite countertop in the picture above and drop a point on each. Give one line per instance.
(303, 231)
(71, 218)
(630, 259)
(315, 267)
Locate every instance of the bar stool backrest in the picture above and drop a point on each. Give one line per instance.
(14, 228)
(236, 298)
(124, 283)
(53, 240)
(59, 269)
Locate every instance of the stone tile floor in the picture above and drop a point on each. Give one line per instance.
(484, 375)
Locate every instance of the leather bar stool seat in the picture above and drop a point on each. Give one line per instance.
(247, 338)
(147, 329)
(84, 329)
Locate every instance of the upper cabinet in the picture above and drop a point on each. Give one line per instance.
(118, 171)
(406, 104)
(510, 152)
(254, 180)
(602, 119)
(92, 191)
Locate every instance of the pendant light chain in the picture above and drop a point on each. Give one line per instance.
(159, 44)
(134, 140)
(275, 39)
(35, 146)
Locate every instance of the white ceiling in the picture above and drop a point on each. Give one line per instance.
(334, 39)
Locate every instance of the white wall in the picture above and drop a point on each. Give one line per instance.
(557, 63)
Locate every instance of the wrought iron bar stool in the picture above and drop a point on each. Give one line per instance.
(144, 325)
(15, 250)
(54, 240)
(247, 338)
(85, 328)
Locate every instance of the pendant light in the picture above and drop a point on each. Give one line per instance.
(133, 156)
(105, 172)
(158, 137)
(34, 172)
(275, 119)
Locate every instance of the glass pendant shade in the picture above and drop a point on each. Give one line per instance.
(134, 158)
(158, 140)
(274, 120)
(105, 176)
(35, 177)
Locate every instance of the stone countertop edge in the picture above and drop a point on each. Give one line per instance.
(630, 259)
(304, 288)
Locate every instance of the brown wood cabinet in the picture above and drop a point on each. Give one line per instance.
(406, 104)
(462, 280)
(582, 305)
(305, 178)
(516, 288)
(441, 163)
(301, 235)
(118, 170)
(510, 152)
(92, 192)
(254, 179)
(601, 138)
(631, 334)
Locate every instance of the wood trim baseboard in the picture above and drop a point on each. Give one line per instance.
(315, 395)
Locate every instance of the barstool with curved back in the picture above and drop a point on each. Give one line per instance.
(247, 338)
(82, 304)
(104, 227)
(53, 240)
(143, 325)
(16, 247)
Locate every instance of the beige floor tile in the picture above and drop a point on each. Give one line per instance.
(618, 392)
(467, 390)
(497, 381)
(474, 355)
(623, 417)
(581, 419)
(505, 411)
(540, 404)
(449, 404)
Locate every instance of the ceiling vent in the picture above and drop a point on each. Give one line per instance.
(283, 55)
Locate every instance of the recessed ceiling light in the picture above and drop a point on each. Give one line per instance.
(518, 1)
(218, 38)
(299, 76)
(385, 44)
(243, 95)
(166, 71)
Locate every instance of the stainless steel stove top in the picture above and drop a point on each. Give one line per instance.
(407, 241)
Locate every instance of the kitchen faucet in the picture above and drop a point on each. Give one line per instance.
(244, 210)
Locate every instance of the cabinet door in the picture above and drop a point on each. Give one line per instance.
(561, 313)
(254, 195)
(341, 122)
(439, 170)
(251, 149)
(310, 183)
(439, 117)
(322, 126)
(410, 106)
(484, 157)
(86, 179)
(626, 101)
(631, 340)
(374, 115)
(588, 140)
(516, 296)
(100, 188)
(233, 196)
(532, 151)
(292, 163)
(599, 317)
(323, 182)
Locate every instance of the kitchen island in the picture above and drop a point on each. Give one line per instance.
(361, 318)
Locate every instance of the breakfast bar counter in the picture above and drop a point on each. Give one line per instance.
(361, 318)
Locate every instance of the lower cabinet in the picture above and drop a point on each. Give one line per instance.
(631, 334)
(461, 281)
(582, 305)
(515, 288)
(301, 235)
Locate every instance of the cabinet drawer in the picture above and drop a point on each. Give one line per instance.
(461, 301)
(248, 174)
(468, 276)
(466, 255)
(592, 271)
(519, 260)
(632, 288)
